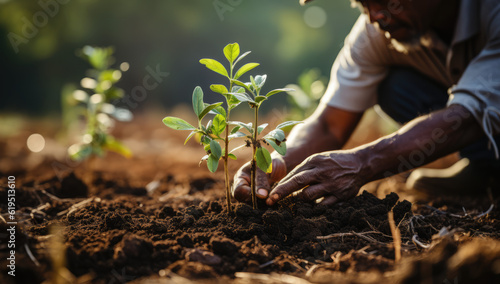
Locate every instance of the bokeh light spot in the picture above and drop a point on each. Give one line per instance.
(35, 142)
(315, 17)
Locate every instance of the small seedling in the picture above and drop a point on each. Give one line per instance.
(94, 103)
(306, 93)
(222, 129)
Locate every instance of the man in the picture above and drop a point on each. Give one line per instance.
(432, 65)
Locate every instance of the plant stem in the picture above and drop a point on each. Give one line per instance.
(226, 169)
(226, 152)
(253, 175)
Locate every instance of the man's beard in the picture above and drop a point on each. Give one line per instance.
(412, 44)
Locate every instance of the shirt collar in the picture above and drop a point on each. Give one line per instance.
(468, 21)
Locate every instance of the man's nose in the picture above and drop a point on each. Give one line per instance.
(379, 15)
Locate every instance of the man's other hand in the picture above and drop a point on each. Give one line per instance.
(241, 186)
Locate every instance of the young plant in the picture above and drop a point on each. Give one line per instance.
(220, 128)
(95, 105)
(261, 157)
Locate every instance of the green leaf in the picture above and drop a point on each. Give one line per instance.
(244, 69)
(273, 92)
(114, 145)
(259, 99)
(263, 159)
(231, 51)
(207, 109)
(244, 97)
(235, 129)
(246, 126)
(287, 124)
(177, 123)
(218, 110)
(261, 127)
(232, 156)
(221, 89)
(212, 163)
(209, 125)
(233, 102)
(198, 104)
(219, 124)
(79, 152)
(238, 148)
(241, 57)
(281, 148)
(277, 134)
(215, 66)
(237, 89)
(241, 84)
(189, 136)
(215, 149)
(253, 84)
(238, 134)
(260, 80)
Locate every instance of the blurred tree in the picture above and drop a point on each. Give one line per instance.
(39, 39)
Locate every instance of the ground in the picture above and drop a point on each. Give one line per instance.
(159, 218)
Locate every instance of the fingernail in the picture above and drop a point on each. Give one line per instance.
(262, 192)
(272, 199)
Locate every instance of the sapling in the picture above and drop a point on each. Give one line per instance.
(94, 102)
(222, 129)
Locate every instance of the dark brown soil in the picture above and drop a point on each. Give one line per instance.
(108, 225)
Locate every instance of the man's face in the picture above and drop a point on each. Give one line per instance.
(405, 21)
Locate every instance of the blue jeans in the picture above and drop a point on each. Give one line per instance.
(406, 94)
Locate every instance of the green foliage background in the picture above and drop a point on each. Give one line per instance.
(171, 34)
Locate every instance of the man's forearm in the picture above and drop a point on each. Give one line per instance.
(327, 129)
(419, 142)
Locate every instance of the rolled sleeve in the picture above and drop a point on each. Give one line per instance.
(478, 89)
(357, 70)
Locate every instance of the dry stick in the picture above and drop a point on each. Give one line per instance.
(396, 236)
(486, 212)
(341, 235)
(415, 240)
(76, 206)
(28, 251)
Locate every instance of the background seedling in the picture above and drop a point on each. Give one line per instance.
(221, 129)
(94, 104)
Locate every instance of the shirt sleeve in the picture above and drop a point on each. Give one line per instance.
(478, 89)
(358, 69)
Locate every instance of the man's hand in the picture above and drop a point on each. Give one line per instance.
(335, 176)
(241, 187)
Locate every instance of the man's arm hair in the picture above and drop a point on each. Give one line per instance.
(419, 142)
(328, 128)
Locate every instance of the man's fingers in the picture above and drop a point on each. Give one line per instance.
(241, 186)
(291, 183)
(330, 200)
(313, 192)
(262, 187)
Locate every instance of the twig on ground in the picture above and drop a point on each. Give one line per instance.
(271, 278)
(341, 235)
(446, 213)
(396, 236)
(75, 207)
(28, 251)
(311, 270)
(416, 241)
(267, 263)
(51, 196)
(486, 212)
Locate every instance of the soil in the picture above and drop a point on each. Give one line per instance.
(159, 218)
